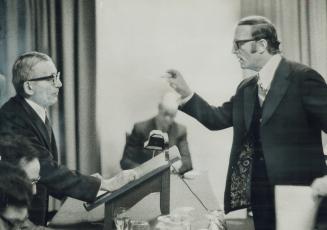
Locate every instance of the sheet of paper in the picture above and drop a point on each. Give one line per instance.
(296, 207)
(157, 162)
(101, 192)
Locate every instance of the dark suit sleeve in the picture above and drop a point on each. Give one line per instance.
(314, 98)
(58, 179)
(133, 150)
(214, 118)
(183, 148)
(61, 181)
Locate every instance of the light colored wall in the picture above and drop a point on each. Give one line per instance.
(137, 41)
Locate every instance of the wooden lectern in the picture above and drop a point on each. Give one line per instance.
(156, 179)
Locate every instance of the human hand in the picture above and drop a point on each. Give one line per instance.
(319, 186)
(178, 83)
(119, 180)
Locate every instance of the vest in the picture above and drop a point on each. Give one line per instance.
(250, 164)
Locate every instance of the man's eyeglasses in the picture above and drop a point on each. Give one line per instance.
(55, 78)
(238, 43)
(34, 181)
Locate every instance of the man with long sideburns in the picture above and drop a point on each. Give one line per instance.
(277, 118)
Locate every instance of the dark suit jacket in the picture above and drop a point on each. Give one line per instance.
(134, 153)
(294, 113)
(17, 117)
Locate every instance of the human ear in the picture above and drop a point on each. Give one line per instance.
(28, 89)
(262, 46)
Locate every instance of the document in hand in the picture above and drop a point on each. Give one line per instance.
(296, 207)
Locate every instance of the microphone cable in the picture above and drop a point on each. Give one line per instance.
(190, 189)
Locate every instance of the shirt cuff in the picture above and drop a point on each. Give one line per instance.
(186, 99)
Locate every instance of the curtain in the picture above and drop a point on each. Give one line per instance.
(302, 29)
(301, 25)
(12, 23)
(65, 30)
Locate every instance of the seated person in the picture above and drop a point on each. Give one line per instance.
(18, 152)
(134, 152)
(2, 89)
(21, 154)
(15, 197)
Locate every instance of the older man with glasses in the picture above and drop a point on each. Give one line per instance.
(37, 83)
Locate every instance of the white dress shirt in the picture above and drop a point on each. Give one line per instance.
(266, 74)
(40, 111)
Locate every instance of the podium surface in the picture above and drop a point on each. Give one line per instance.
(130, 194)
(73, 215)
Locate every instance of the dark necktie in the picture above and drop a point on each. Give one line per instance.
(48, 127)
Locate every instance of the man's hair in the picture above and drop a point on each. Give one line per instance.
(262, 28)
(15, 188)
(169, 100)
(15, 148)
(22, 68)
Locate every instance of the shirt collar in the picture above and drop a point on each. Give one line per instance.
(266, 74)
(40, 111)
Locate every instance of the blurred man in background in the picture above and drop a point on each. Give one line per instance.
(134, 152)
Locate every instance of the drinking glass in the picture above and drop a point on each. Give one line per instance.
(121, 219)
(139, 225)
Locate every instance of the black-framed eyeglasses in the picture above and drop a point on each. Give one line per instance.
(34, 181)
(14, 223)
(238, 43)
(55, 78)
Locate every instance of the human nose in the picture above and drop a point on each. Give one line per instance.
(58, 83)
(234, 48)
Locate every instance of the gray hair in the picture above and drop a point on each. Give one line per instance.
(22, 68)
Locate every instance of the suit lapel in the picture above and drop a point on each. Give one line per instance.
(36, 121)
(250, 94)
(278, 88)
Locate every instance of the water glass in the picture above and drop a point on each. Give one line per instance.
(139, 225)
(121, 220)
